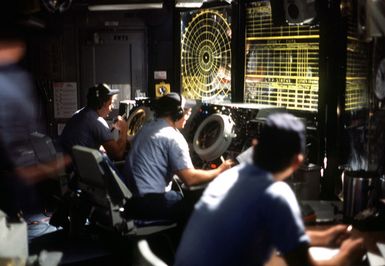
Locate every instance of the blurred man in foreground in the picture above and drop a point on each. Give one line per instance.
(19, 118)
(248, 211)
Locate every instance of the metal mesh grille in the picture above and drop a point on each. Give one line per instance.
(356, 93)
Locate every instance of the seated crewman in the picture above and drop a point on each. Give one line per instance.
(247, 212)
(88, 127)
(158, 152)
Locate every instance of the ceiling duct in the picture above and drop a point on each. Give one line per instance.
(188, 3)
(215, 3)
(124, 5)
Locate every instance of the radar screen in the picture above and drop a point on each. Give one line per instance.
(209, 135)
(206, 54)
(213, 137)
(281, 62)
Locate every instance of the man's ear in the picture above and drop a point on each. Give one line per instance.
(298, 160)
(254, 142)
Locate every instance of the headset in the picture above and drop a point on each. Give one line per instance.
(95, 97)
(179, 112)
(171, 105)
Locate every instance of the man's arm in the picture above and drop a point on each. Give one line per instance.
(350, 251)
(192, 176)
(37, 172)
(116, 148)
(332, 236)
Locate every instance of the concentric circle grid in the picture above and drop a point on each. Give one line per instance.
(206, 53)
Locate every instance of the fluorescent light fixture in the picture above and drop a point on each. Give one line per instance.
(188, 4)
(136, 6)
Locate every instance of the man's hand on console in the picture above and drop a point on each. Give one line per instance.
(120, 124)
(332, 236)
(226, 164)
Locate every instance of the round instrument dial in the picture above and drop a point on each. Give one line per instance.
(213, 137)
(137, 119)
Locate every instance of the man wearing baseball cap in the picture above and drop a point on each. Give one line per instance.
(88, 127)
(158, 152)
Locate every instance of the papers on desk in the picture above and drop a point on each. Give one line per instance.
(375, 259)
(381, 248)
(323, 253)
(246, 156)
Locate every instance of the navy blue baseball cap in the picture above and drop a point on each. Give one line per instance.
(284, 131)
(101, 91)
(171, 102)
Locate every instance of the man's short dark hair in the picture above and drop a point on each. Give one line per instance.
(281, 138)
(169, 104)
(98, 95)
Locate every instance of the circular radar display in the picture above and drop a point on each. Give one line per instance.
(213, 137)
(206, 56)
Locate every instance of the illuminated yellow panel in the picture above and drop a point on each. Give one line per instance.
(206, 55)
(356, 93)
(281, 62)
